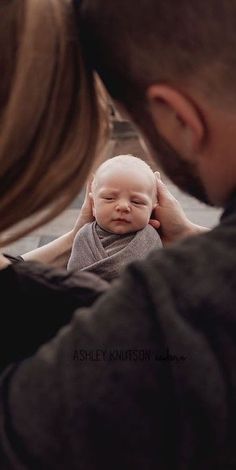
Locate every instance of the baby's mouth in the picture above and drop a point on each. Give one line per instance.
(120, 219)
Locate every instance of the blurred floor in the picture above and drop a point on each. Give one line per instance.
(124, 140)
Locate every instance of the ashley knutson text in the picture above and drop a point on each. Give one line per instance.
(97, 355)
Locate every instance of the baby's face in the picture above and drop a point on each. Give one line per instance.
(123, 199)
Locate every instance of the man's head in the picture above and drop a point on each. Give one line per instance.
(123, 194)
(171, 65)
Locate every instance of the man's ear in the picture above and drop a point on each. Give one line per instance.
(177, 119)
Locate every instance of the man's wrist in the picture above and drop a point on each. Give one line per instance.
(194, 229)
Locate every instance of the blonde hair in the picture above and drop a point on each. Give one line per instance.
(52, 113)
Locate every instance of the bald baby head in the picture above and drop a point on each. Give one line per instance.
(128, 164)
(123, 194)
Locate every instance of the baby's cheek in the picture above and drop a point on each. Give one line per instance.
(144, 217)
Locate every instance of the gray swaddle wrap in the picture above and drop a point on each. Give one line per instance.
(105, 254)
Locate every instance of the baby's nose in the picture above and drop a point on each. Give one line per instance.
(123, 205)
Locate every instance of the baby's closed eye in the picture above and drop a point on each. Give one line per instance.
(137, 202)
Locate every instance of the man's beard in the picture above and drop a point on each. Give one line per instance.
(181, 172)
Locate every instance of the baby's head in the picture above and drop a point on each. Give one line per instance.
(123, 194)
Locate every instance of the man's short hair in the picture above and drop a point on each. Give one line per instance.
(136, 43)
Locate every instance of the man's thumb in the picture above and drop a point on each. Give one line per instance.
(162, 190)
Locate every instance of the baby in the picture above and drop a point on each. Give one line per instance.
(123, 194)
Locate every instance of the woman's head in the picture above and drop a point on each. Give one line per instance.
(123, 194)
(50, 113)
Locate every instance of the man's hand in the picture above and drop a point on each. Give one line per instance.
(169, 218)
(86, 212)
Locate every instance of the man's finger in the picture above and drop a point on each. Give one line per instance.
(163, 193)
(154, 223)
(89, 183)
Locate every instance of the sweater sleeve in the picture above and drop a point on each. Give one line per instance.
(91, 396)
(110, 392)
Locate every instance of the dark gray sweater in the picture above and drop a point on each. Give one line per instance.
(144, 379)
